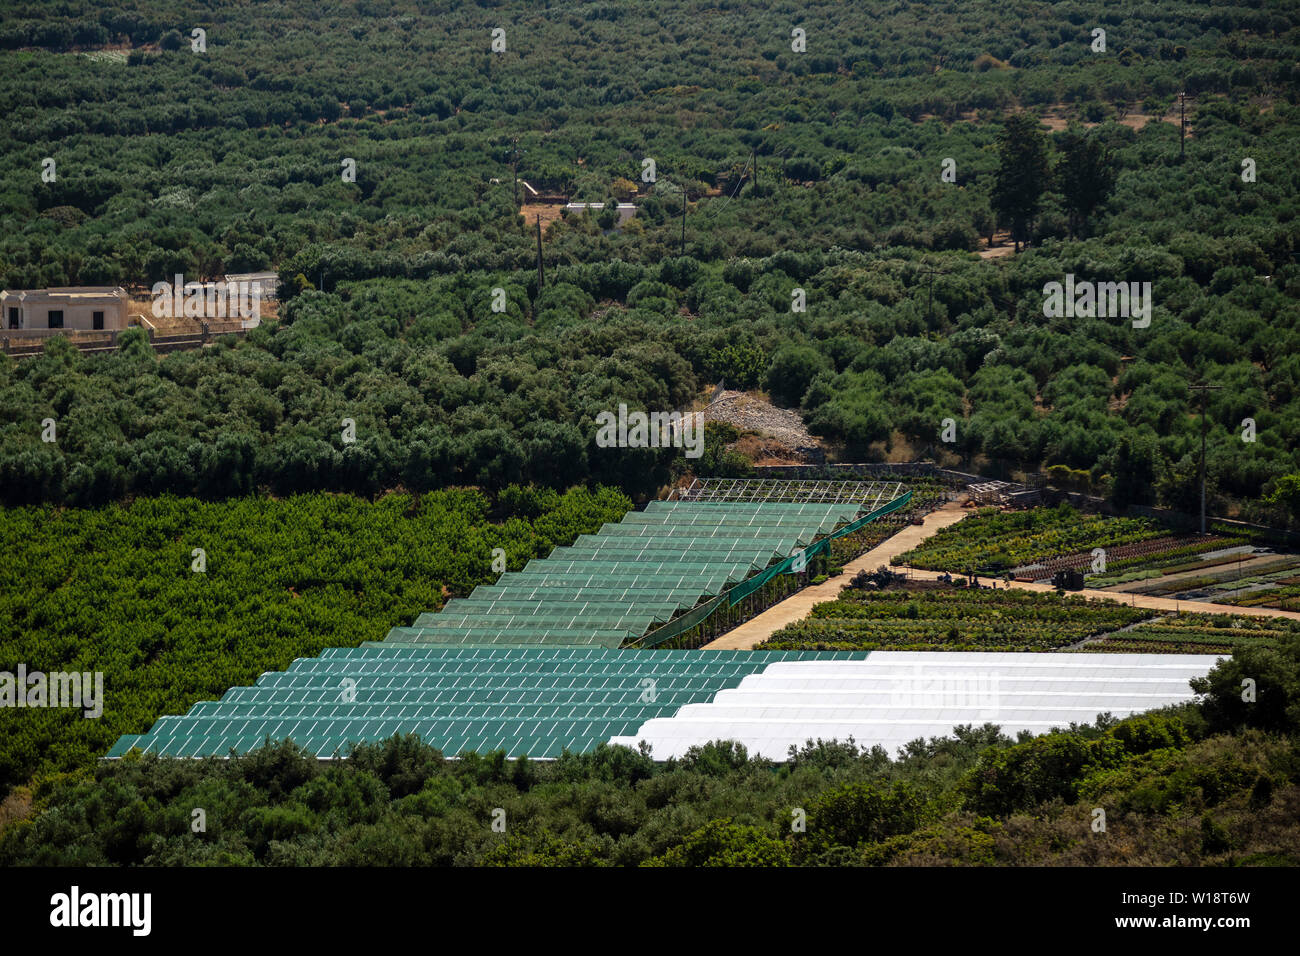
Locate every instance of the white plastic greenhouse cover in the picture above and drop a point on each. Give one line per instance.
(894, 697)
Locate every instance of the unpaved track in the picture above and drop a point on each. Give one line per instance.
(1247, 566)
(1141, 600)
(796, 607)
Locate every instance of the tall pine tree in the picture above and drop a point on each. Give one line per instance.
(1087, 176)
(1023, 174)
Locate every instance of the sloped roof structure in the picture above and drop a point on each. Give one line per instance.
(892, 697)
(537, 701)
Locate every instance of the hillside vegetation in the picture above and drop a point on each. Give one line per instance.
(389, 278)
(1216, 783)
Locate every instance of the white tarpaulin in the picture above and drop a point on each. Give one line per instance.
(892, 698)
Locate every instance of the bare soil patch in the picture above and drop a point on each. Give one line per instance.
(779, 435)
(969, 116)
(17, 806)
(1002, 246)
(1137, 120)
(142, 305)
(548, 212)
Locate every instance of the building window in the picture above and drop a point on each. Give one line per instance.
(98, 319)
(56, 318)
(13, 317)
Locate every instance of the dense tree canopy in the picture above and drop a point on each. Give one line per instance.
(170, 160)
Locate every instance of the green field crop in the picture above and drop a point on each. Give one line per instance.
(952, 619)
(995, 541)
(112, 590)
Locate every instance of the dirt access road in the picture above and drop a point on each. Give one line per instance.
(1245, 568)
(796, 607)
(1141, 600)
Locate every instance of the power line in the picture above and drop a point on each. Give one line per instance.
(740, 181)
(929, 309)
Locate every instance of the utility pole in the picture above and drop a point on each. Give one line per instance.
(1182, 122)
(1203, 389)
(682, 251)
(753, 158)
(929, 308)
(541, 275)
(514, 168)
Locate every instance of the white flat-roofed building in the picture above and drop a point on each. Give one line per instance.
(268, 282)
(75, 308)
(626, 210)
